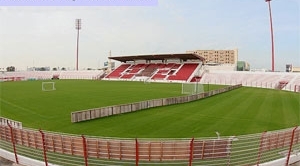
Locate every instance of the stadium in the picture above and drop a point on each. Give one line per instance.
(158, 109)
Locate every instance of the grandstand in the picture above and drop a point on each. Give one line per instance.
(159, 67)
(186, 67)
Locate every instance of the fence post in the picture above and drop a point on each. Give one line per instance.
(191, 151)
(136, 152)
(84, 150)
(13, 141)
(44, 147)
(291, 145)
(260, 147)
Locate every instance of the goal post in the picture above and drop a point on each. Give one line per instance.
(48, 86)
(192, 88)
(297, 88)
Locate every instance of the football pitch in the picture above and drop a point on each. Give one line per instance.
(238, 112)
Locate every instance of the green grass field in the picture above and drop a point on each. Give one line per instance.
(242, 111)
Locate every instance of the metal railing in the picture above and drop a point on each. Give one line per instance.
(64, 149)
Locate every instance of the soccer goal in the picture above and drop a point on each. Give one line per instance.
(147, 80)
(48, 86)
(297, 88)
(192, 88)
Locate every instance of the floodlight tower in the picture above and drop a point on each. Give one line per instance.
(272, 36)
(77, 27)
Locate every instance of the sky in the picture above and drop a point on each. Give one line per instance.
(46, 36)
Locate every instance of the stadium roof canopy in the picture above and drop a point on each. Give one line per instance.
(183, 56)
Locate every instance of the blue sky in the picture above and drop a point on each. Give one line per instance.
(46, 36)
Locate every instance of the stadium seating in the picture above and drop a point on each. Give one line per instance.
(85, 74)
(148, 71)
(158, 76)
(127, 76)
(25, 75)
(117, 72)
(282, 84)
(47, 75)
(184, 72)
(195, 79)
(163, 71)
(272, 80)
(154, 71)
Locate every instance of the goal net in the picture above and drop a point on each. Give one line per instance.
(192, 88)
(48, 86)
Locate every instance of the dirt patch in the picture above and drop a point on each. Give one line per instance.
(5, 162)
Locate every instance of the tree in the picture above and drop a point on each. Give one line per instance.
(11, 68)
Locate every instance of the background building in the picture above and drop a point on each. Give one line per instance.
(288, 67)
(218, 59)
(291, 68)
(218, 56)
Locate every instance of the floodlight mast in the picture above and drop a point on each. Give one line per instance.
(77, 27)
(272, 35)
